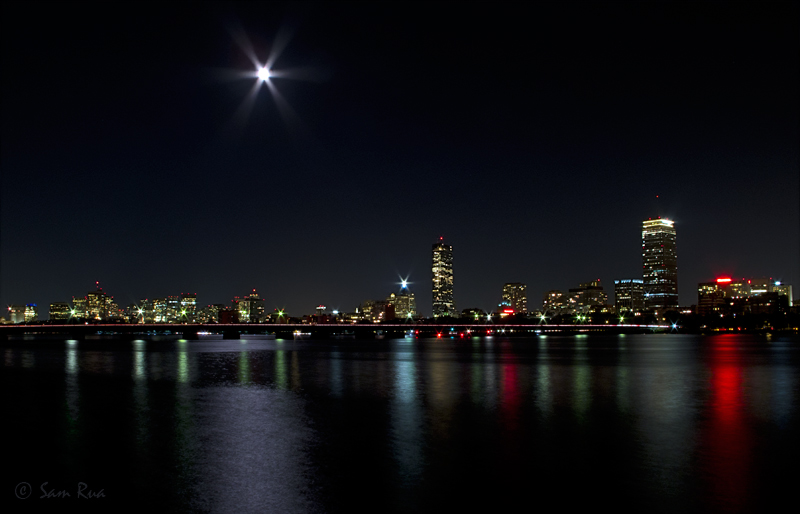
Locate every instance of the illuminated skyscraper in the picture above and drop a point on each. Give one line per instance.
(443, 303)
(659, 265)
(515, 296)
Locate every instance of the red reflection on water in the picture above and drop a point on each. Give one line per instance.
(511, 395)
(727, 442)
(511, 399)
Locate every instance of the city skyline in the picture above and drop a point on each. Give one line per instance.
(654, 292)
(130, 160)
(655, 233)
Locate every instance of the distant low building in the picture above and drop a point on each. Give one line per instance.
(60, 311)
(250, 308)
(376, 310)
(31, 313)
(587, 298)
(712, 297)
(16, 313)
(189, 307)
(228, 316)
(783, 290)
(476, 314)
(725, 296)
(556, 303)
(405, 305)
(100, 306)
(79, 308)
(629, 296)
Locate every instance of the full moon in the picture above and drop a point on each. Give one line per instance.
(263, 73)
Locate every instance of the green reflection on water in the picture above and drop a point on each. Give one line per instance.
(244, 368)
(281, 380)
(581, 389)
(183, 362)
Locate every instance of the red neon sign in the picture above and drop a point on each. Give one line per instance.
(721, 280)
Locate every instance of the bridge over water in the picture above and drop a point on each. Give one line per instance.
(315, 331)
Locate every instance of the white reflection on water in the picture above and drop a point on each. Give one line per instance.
(490, 389)
(251, 451)
(337, 385)
(407, 418)
(28, 360)
(664, 422)
(140, 394)
(139, 362)
(543, 395)
(72, 367)
(582, 382)
(784, 388)
(405, 376)
(475, 374)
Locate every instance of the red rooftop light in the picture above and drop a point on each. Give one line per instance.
(721, 280)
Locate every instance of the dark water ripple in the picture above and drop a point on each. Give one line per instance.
(662, 423)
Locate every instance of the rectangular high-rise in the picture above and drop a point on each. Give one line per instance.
(443, 303)
(659, 265)
(515, 296)
(629, 296)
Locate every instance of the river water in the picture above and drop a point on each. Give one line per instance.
(646, 423)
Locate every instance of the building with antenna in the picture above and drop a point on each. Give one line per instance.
(659, 265)
(442, 280)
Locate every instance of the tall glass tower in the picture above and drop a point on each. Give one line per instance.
(443, 303)
(659, 265)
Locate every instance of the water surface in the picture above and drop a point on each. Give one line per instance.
(660, 423)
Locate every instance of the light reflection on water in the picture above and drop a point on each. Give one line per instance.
(407, 423)
(683, 422)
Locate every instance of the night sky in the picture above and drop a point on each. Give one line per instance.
(534, 138)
